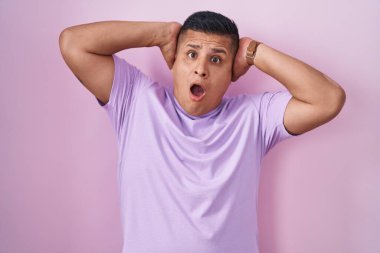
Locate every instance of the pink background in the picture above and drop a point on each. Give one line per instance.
(319, 192)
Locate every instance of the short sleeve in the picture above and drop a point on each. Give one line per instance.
(272, 111)
(127, 83)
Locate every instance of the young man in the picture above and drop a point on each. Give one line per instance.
(189, 157)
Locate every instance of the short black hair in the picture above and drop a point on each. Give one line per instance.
(213, 23)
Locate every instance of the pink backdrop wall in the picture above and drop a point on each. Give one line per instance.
(318, 193)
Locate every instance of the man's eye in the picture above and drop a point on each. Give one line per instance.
(215, 59)
(191, 54)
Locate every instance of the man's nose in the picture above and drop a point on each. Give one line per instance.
(201, 69)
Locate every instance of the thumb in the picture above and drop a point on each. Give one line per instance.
(168, 56)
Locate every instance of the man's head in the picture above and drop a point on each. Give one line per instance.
(212, 23)
(206, 49)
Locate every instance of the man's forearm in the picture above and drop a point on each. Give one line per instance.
(303, 81)
(109, 37)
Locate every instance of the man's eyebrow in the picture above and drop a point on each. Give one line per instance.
(214, 50)
(194, 46)
(219, 50)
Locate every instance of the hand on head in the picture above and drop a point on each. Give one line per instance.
(169, 45)
(241, 66)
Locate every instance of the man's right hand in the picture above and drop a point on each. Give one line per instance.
(168, 46)
(87, 49)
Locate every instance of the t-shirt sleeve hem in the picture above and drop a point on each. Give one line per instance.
(285, 103)
(110, 102)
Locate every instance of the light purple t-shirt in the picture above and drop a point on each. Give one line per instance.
(189, 184)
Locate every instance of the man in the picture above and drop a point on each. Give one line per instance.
(189, 157)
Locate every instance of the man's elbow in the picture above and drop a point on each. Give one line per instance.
(338, 99)
(66, 40)
(63, 39)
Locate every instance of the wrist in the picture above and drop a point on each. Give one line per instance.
(166, 33)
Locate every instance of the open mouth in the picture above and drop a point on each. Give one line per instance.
(197, 90)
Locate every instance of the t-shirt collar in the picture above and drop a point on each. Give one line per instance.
(179, 108)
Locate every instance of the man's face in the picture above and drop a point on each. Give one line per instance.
(202, 71)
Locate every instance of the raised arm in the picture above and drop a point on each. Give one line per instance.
(317, 98)
(87, 48)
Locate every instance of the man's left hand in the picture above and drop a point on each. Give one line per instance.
(241, 66)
